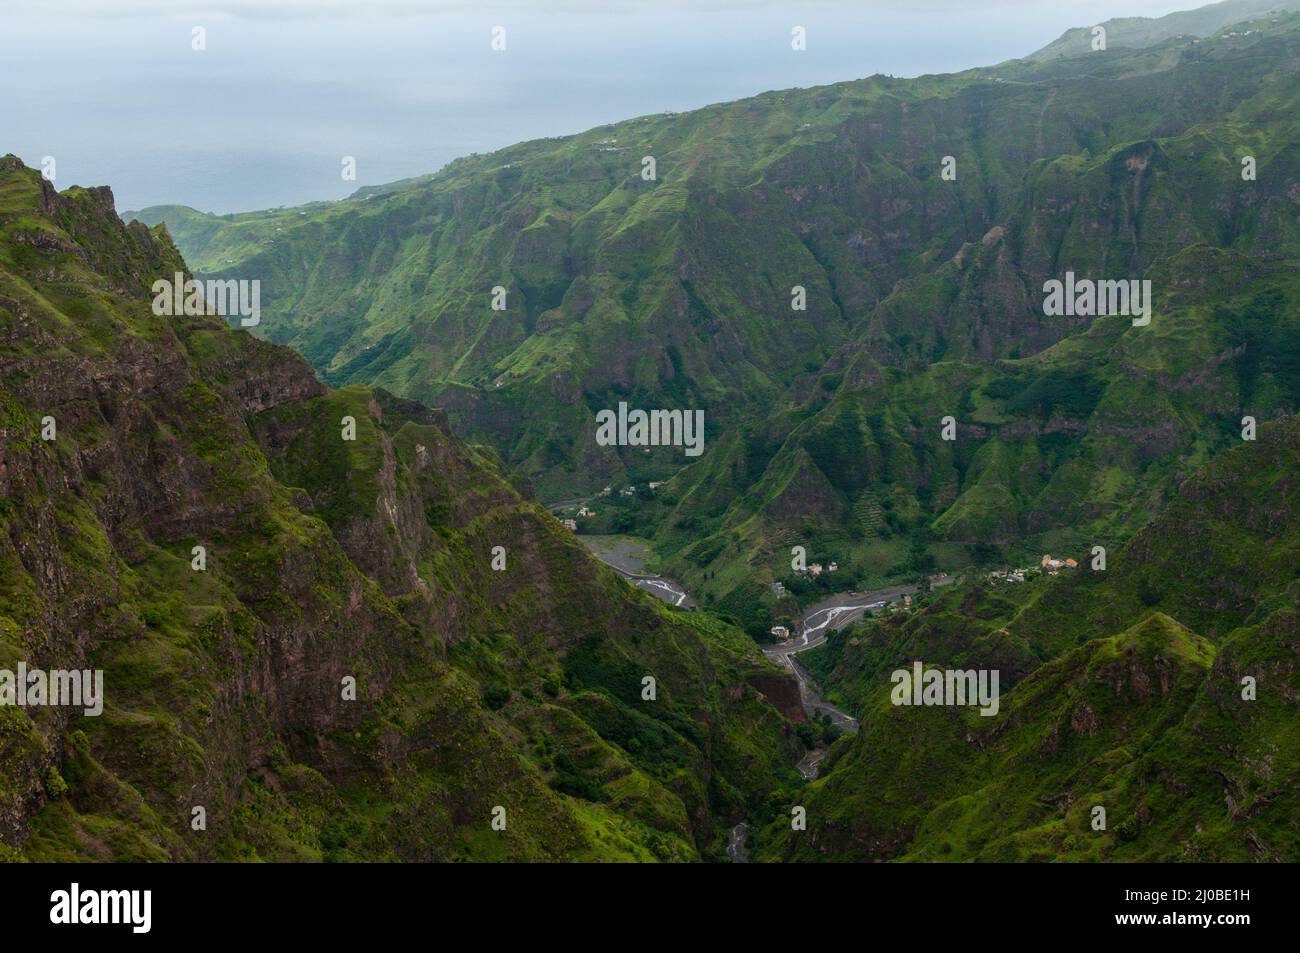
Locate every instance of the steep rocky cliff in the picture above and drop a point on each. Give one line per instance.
(307, 650)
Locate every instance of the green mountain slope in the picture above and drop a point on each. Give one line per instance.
(924, 301)
(327, 560)
(678, 290)
(1136, 706)
(1074, 445)
(1139, 32)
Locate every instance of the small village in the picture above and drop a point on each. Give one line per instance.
(585, 512)
(1048, 566)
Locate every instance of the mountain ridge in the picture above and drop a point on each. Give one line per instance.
(677, 293)
(1140, 709)
(226, 686)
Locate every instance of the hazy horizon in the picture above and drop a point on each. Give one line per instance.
(284, 90)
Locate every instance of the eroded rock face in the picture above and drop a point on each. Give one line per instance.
(308, 658)
(783, 694)
(137, 469)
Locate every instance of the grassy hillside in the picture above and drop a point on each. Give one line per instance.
(1138, 32)
(336, 624)
(347, 677)
(1126, 693)
(1058, 446)
(924, 301)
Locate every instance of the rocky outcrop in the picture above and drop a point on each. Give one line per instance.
(289, 619)
(782, 692)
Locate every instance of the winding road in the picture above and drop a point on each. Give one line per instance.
(834, 613)
(813, 703)
(818, 622)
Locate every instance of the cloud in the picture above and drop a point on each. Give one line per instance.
(294, 9)
(299, 9)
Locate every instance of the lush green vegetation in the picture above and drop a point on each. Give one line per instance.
(347, 677)
(525, 687)
(924, 300)
(1114, 702)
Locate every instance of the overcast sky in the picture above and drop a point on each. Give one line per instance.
(113, 90)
